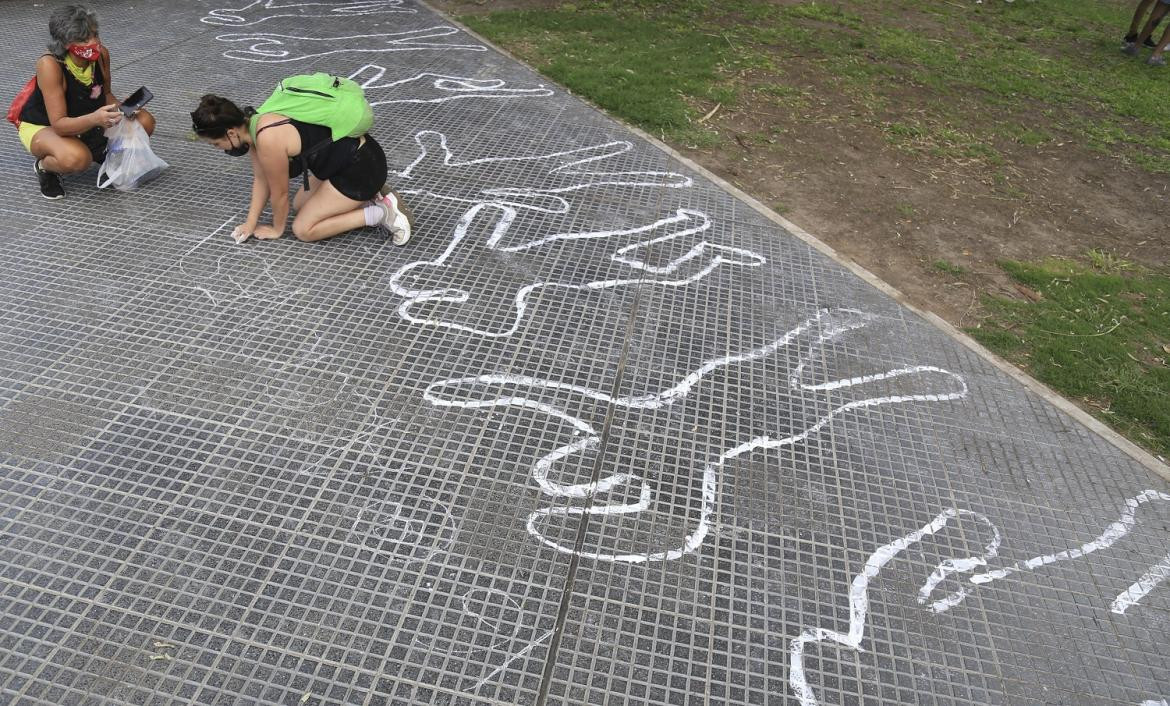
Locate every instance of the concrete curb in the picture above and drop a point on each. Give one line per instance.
(1137, 453)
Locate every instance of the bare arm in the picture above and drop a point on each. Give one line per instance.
(104, 67)
(273, 159)
(259, 193)
(52, 84)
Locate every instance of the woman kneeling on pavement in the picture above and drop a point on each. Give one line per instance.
(346, 181)
(63, 122)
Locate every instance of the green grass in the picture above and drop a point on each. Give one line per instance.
(949, 268)
(1100, 334)
(992, 69)
(640, 68)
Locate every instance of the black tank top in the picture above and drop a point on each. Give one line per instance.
(79, 98)
(324, 157)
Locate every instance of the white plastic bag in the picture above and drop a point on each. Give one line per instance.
(129, 159)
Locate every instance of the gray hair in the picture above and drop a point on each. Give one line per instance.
(69, 25)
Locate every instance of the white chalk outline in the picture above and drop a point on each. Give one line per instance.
(859, 604)
(1141, 588)
(264, 44)
(1156, 574)
(218, 266)
(830, 327)
(342, 9)
(379, 525)
(691, 222)
(859, 596)
(559, 164)
(455, 87)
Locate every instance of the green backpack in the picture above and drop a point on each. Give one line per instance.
(320, 99)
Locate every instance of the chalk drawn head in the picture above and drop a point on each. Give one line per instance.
(404, 528)
(221, 123)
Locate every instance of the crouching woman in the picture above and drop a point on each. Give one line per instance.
(63, 121)
(344, 189)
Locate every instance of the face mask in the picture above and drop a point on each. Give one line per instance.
(86, 52)
(237, 150)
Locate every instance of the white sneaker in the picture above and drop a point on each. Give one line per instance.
(396, 217)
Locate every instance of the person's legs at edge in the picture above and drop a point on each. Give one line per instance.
(1135, 26)
(1157, 58)
(1155, 17)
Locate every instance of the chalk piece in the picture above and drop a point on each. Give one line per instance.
(163, 645)
(305, 697)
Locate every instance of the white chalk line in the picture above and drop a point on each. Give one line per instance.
(717, 255)
(1112, 533)
(831, 323)
(196, 247)
(1158, 573)
(449, 88)
(558, 164)
(413, 532)
(266, 48)
(531, 646)
(236, 17)
(1141, 588)
(858, 592)
(858, 606)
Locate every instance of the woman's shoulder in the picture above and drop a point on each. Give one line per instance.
(269, 118)
(275, 129)
(49, 63)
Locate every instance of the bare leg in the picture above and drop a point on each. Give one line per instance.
(1162, 43)
(327, 213)
(1138, 14)
(303, 196)
(1155, 17)
(145, 119)
(60, 155)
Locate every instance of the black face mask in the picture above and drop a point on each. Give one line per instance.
(237, 150)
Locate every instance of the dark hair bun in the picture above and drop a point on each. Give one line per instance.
(216, 115)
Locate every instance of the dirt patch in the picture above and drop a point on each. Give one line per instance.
(933, 227)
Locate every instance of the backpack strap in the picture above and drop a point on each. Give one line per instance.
(305, 153)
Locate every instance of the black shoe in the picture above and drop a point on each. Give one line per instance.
(1132, 39)
(50, 183)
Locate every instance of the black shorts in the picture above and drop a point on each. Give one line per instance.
(97, 142)
(362, 179)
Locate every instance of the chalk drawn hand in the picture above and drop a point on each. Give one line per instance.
(979, 573)
(633, 494)
(437, 292)
(260, 10)
(435, 88)
(854, 635)
(280, 48)
(531, 183)
(969, 571)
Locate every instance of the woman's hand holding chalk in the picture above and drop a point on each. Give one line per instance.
(241, 233)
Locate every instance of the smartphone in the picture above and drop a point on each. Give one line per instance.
(136, 100)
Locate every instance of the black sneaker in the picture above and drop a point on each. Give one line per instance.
(50, 183)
